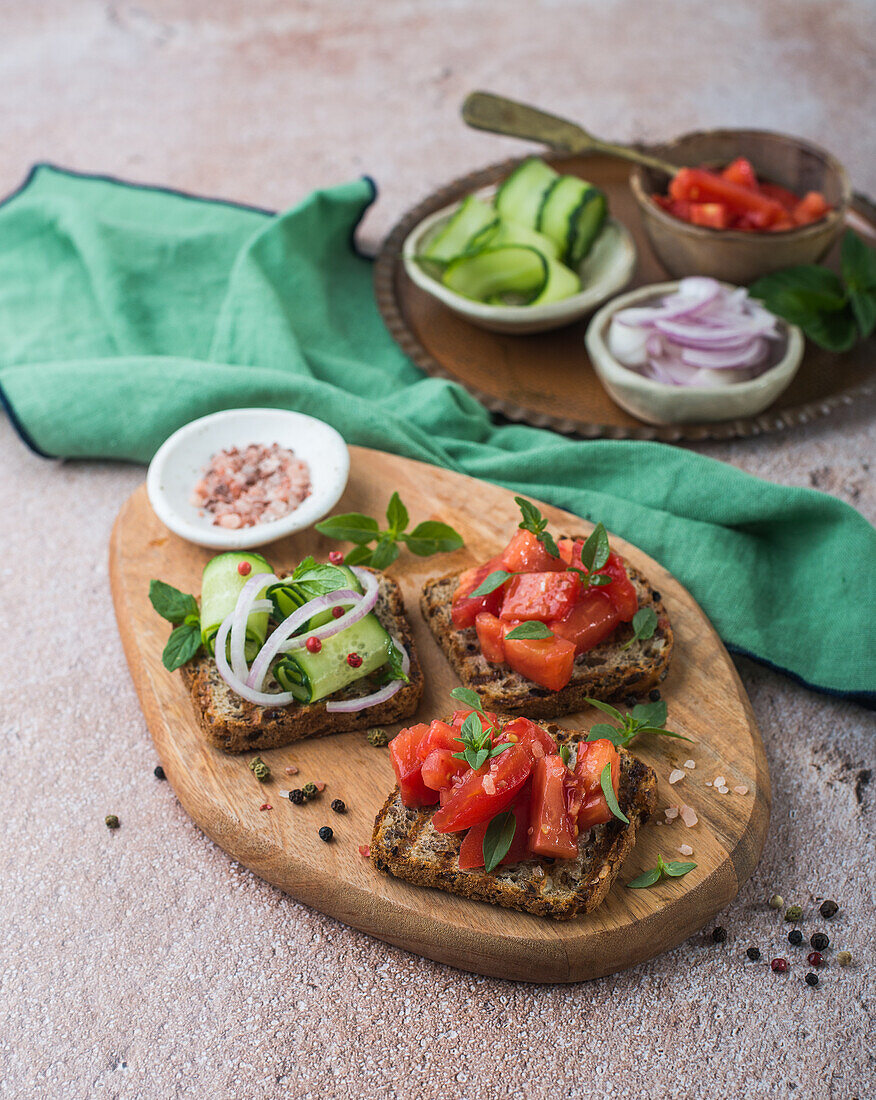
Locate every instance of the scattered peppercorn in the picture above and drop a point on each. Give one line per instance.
(297, 797)
(719, 935)
(815, 958)
(819, 941)
(779, 966)
(795, 937)
(339, 806)
(266, 806)
(365, 851)
(828, 909)
(777, 902)
(377, 737)
(313, 645)
(159, 772)
(753, 953)
(326, 833)
(260, 769)
(654, 695)
(111, 821)
(811, 979)
(244, 569)
(630, 700)
(337, 612)
(655, 595)
(309, 791)
(794, 913)
(844, 958)
(336, 557)
(354, 660)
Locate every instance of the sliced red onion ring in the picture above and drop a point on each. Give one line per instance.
(352, 706)
(725, 360)
(239, 617)
(260, 698)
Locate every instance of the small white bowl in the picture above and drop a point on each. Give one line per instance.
(660, 403)
(179, 464)
(605, 270)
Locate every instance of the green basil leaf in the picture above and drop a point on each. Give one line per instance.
(647, 878)
(676, 870)
(183, 643)
(432, 537)
(569, 754)
(531, 629)
(396, 514)
(603, 732)
(498, 749)
(863, 303)
(547, 541)
(595, 551)
(472, 730)
(498, 838)
(490, 583)
(665, 733)
(650, 714)
(359, 555)
(608, 791)
(319, 579)
(396, 669)
(809, 286)
(479, 758)
(832, 331)
(350, 527)
(858, 263)
(170, 603)
(532, 518)
(599, 579)
(384, 553)
(606, 708)
(468, 698)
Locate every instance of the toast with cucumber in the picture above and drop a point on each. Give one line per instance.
(272, 659)
(547, 624)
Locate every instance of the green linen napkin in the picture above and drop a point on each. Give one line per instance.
(126, 311)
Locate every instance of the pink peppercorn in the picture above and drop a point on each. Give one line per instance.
(244, 569)
(337, 612)
(365, 851)
(266, 806)
(313, 645)
(815, 958)
(779, 966)
(336, 557)
(354, 660)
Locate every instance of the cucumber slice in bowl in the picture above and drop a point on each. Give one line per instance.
(517, 274)
(466, 230)
(520, 197)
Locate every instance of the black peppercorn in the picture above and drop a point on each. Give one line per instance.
(339, 806)
(655, 595)
(297, 796)
(753, 953)
(159, 772)
(630, 700)
(828, 909)
(111, 821)
(719, 935)
(795, 937)
(811, 979)
(326, 833)
(654, 695)
(819, 941)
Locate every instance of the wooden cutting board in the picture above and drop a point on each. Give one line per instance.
(706, 702)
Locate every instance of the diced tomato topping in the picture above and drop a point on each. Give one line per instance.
(484, 793)
(548, 662)
(404, 752)
(491, 636)
(541, 596)
(440, 736)
(590, 622)
(700, 185)
(781, 194)
(591, 760)
(523, 731)
(740, 171)
(471, 852)
(621, 591)
(713, 215)
(440, 768)
(463, 610)
(551, 830)
(810, 208)
(525, 554)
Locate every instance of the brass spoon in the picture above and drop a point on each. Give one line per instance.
(485, 111)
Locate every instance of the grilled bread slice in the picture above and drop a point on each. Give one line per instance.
(235, 725)
(405, 845)
(607, 672)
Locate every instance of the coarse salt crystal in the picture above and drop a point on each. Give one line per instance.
(689, 816)
(720, 780)
(723, 790)
(283, 794)
(671, 813)
(675, 775)
(319, 786)
(708, 783)
(685, 849)
(489, 785)
(690, 763)
(740, 790)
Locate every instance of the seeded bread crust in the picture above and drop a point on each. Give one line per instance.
(607, 672)
(404, 844)
(235, 725)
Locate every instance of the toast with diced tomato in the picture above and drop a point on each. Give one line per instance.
(405, 843)
(610, 670)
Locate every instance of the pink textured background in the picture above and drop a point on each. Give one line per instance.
(146, 963)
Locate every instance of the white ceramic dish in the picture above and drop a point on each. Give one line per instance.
(180, 461)
(659, 403)
(606, 270)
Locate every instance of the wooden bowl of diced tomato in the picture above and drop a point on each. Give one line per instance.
(745, 203)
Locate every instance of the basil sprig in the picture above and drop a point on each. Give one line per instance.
(498, 839)
(834, 311)
(672, 869)
(427, 538)
(530, 629)
(479, 747)
(644, 625)
(608, 791)
(182, 609)
(535, 522)
(644, 718)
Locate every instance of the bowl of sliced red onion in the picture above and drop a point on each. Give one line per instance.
(245, 477)
(692, 351)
